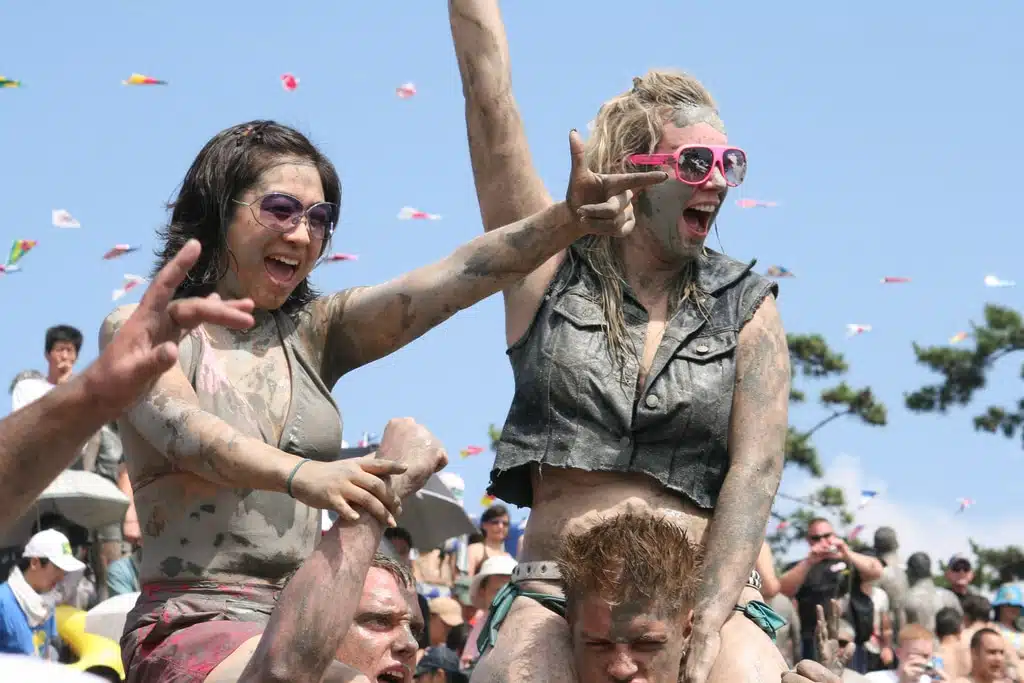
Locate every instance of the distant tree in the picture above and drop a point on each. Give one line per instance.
(965, 371)
(812, 359)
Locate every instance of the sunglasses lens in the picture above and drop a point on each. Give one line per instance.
(278, 212)
(735, 162)
(695, 164)
(321, 220)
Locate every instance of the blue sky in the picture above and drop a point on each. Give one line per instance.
(880, 128)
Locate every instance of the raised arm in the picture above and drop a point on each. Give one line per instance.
(368, 323)
(757, 435)
(508, 186)
(38, 441)
(317, 607)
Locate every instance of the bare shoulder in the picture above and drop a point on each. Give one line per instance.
(113, 322)
(763, 339)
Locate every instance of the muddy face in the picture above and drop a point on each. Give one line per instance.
(267, 265)
(677, 217)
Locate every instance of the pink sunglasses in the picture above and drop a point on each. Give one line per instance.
(694, 164)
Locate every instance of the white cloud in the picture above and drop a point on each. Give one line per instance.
(932, 528)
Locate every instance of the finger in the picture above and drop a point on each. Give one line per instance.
(189, 313)
(820, 629)
(345, 511)
(620, 182)
(369, 502)
(833, 620)
(813, 671)
(376, 487)
(609, 209)
(576, 150)
(150, 367)
(383, 468)
(161, 289)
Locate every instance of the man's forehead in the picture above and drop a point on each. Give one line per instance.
(383, 591)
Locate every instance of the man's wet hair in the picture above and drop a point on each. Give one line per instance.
(402, 574)
(976, 608)
(64, 333)
(885, 540)
(948, 622)
(633, 558)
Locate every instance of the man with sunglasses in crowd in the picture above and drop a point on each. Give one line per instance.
(960, 573)
(818, 578)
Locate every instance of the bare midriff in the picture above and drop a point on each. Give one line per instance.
(569, 501)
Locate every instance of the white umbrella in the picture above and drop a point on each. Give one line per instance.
(85, 498)
(107, 618)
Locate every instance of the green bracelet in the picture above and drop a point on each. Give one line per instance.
(292, 475)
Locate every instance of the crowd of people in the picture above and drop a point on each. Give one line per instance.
(646, 435)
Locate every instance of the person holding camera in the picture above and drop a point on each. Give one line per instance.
(818, 578)
(915, 652)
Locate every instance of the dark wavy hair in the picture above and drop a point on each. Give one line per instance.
(228, 165)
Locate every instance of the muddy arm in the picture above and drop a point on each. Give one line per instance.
(508, 186)
(170, 420)
(368, 323)
(756, 441)
(316, 609)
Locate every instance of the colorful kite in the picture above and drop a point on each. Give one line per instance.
(471, 450)
(139, 79)
(408, 212)
(130, 282)
(964, 503)
(9, 82)
(62, 218)
(865, 498)
(993, 281)
(853, 329)
(18, 250)
(778, 271)
(958, 337)
(755, 204)
(894, 280)
(334, 258)
(487, 500)
(405, 91)
(289, 82)
(855, 532)
(119, 250)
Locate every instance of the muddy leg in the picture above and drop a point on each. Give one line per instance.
(533, 646)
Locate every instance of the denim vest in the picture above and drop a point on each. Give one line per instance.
(575, 407)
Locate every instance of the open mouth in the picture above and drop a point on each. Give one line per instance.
(390, 677)
(281, 269)
(697, 219)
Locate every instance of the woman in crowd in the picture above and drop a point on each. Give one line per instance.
(494, 530)
(648, 370)
(232, 454)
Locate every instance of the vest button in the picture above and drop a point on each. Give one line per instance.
(703, 348)
(624, 441)
(651, 401)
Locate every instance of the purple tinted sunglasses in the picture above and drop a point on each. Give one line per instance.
(282, 213)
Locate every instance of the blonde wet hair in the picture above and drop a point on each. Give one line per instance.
(631, 123)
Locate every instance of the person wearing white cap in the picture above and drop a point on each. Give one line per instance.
(27, 625)
(494, 573)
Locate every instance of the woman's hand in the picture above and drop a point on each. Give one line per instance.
(342, 484)
(602, 203)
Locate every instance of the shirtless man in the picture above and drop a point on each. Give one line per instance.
(669, 391)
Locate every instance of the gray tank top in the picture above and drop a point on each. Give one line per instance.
(574, 407)
(259, 534)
